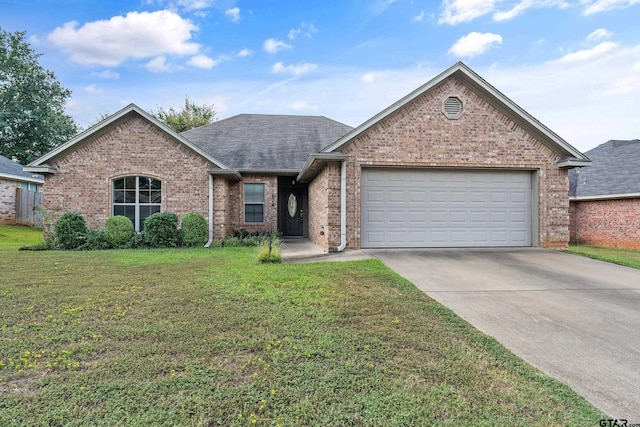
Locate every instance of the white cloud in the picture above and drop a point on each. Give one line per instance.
(521, 7)
(202, 61)
(107, 74)
(92, 89)
(474, 44)
(599, 34)
(371, 77)
(459, 11)
(419, 17)
(158, 65)
(233, 14)
(379, 6)
(295, 70)
(302, 106)
(305, 29)
(588, 54)
(597, 6)
(137, 35)
(245, 52)
(273, 45)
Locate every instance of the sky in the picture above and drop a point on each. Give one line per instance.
(572, 64)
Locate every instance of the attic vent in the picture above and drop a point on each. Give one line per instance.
(452, 107)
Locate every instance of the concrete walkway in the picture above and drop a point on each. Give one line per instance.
(575, 318)
(304, 250)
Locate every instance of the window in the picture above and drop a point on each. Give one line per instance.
(254, 203)
(136, 197)
(29, 186)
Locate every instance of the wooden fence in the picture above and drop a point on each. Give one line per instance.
(26, 201)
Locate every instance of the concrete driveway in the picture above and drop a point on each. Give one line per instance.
(574, 318)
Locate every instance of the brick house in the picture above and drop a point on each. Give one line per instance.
(13, 177)
(453, 163)
(604, 199)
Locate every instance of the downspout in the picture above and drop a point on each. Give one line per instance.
(343, 207)
(206, 245)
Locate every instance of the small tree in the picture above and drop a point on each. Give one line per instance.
(191, 116)
(32, 118)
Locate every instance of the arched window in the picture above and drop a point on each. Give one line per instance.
(136, 197)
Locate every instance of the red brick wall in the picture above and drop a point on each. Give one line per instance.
(606, 223)
(420, 135)
(8, 201)
(324, 208)
(83, 181)
(236, 204)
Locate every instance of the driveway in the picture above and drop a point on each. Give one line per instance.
(575, 318)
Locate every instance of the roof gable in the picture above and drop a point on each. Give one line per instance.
(615, 171)
(42, 164)
(569, 156)
(264, 142)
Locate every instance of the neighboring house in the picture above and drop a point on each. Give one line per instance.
(454, 163)
(12, 177)
(605, 197)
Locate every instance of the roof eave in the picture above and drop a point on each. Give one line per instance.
(43, 169)
(21, 178)
(315, 162)
(227, 173)
(568, 163)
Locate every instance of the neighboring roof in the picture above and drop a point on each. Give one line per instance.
(569, 156)
(43, 164)
(614, 172)
(13, 170)
(263, 142)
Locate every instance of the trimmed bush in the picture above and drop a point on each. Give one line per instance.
(70, 231)
(161, 230)
(118, 231)
(194, 230)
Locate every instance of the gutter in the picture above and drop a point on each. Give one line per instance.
(206, 245)
(343, 207)
(605, 197)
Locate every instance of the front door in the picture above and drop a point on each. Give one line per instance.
(293, 215)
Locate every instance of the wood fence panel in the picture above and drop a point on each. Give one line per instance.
(26, 201)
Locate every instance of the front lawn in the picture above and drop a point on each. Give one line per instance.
(626, 257)
(196, 337)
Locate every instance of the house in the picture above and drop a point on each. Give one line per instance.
(13, 177)
(455, 163)
(604, 199)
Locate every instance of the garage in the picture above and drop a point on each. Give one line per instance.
(420, 207)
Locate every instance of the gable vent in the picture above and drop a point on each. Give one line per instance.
(452, 107)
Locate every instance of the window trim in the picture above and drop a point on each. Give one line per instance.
(137, 223)
(245, 203)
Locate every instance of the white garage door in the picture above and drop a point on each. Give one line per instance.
(403, 208)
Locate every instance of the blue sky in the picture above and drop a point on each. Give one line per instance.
(574, 65)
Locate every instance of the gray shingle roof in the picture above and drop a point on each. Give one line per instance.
(9, 167)
(615, 169)
(266, 142)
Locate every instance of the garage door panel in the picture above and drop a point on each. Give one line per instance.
(441, 208)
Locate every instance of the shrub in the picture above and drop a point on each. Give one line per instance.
(270, 252)
(161, 230)
(136, 242)
(70, 231)
(194, 230)
(95, 240)
(118, 231)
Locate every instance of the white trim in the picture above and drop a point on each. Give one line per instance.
(113, 118)
(488, 91)
(21, 178)
(206, 245)
(605, 197)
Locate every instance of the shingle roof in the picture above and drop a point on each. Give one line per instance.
(9, 167)
(266, 142)
(615, 169)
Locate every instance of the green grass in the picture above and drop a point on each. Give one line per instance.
(13, 237)
(630, 258)
(196, 337)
